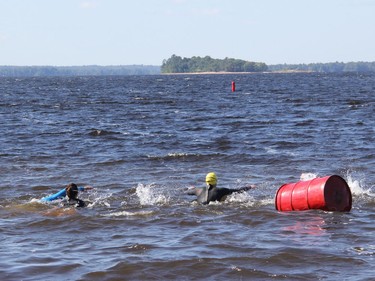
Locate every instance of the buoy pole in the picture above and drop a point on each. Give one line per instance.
(233, 86)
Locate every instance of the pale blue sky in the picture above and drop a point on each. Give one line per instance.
(123, 32)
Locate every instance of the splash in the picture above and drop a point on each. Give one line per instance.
(270, 150)
(243, 198)
(266, 202)
(98, 198)
(149, 195)
(358, 186)
(177, 154)
(128, 214)
(308, 176)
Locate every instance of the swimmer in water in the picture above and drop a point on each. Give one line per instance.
(211, 193)
(63, 193)
(70, 200)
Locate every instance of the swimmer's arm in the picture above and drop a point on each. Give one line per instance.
(58, 195)
(84, 188)
(62, 193)
(245, 188)
(194, 191)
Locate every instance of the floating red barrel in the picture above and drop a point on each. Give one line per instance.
(330, 193)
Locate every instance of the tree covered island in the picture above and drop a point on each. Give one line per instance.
(177, 64)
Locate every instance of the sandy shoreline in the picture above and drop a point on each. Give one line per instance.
(226, 72)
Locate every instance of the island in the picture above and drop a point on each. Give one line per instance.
(177, 64)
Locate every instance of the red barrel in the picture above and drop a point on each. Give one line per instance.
(330, 193)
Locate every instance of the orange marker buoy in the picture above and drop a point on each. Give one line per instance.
(330, 193)
(233, 86)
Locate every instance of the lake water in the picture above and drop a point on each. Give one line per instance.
(141, 141)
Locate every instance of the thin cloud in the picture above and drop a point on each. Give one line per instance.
(208, 12)
(178, 1)
(3, 38)
(89, 4)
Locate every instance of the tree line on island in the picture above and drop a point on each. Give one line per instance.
(177, 64)
(325, 67)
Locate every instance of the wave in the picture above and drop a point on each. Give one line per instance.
(128, 214)
(97, 133)
(358, 187)
(183, 155)
(150, 195)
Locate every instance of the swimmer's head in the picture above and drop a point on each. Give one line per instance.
(72, 191)
(211, 179)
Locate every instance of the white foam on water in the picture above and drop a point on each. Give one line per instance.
(243, 198)
(128, 214)
(97, 197)
(308, 176)
(357, 186)
(150, 195)
(270, 150)
(266, 201)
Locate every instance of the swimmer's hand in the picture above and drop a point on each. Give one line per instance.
(248, 187)
(87, 187)
(191, 190)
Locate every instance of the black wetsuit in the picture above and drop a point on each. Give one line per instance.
(77, 203)
(213, 193)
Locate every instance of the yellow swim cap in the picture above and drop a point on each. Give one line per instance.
(211, 179)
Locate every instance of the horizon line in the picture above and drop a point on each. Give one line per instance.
(154, 65)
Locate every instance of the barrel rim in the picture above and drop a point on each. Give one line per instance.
(349, 192)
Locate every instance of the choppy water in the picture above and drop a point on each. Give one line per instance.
(142, 140)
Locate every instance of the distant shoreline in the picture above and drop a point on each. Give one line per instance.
(122, 70)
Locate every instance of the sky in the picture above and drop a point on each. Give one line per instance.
(127, 32)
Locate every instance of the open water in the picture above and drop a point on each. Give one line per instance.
(141, 141)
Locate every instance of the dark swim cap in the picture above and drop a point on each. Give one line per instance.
(72, 191)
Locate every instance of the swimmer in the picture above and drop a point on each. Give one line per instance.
(211, 193)
(70, 202)
(63, 193)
